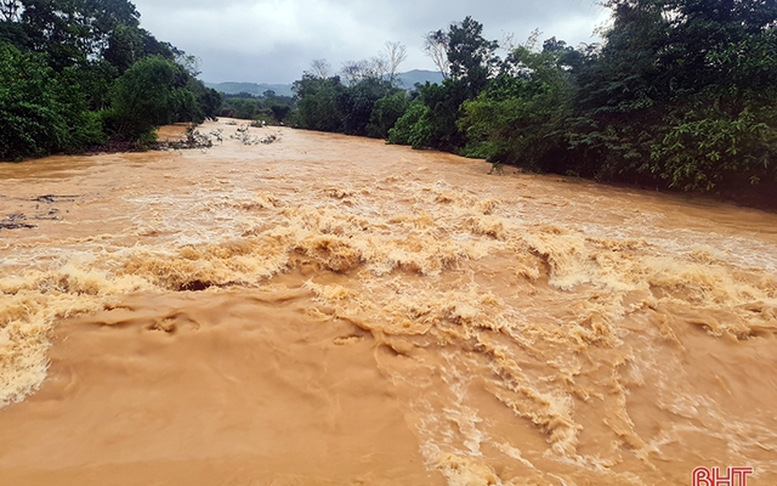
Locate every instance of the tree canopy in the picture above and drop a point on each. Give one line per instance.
(680, 94)
(78, 72)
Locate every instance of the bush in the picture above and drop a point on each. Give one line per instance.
(712, 149)
(149, 94)
(357, 103)
(317, 108)
(40, 111)
(412, 128)
(385, 114)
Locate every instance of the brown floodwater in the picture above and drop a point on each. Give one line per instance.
(332, 310)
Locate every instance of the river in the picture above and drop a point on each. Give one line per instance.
(327, 310)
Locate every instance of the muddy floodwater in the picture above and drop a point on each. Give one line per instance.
(326, 310)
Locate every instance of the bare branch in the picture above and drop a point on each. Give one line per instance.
(533, 40)
(395, 54)
(355, 71)
(320, 68)
(377, 67)
(436, 47)
(352, 71)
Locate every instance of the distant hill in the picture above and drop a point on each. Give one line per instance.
(252, 88)
(410, 78)
(406, 80)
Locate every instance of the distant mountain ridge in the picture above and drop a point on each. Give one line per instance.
(410, 78)
(406, 80)
(256, 89)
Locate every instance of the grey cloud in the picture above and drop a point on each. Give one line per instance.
(275, 40)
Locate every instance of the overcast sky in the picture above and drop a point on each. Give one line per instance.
(274, 41)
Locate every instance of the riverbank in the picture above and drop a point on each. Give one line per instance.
(334, 310)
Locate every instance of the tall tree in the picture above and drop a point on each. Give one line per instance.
(149, 94)
(74, 30)
(470, 55)
(41, 111)
(729, 44)
(436, 47)
(395, 54)
(682, 91)
(320, 68)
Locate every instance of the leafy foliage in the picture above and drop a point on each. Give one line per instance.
(358, 102)
(681, 94)
(41, 112)
(711, 148)
(471, 62)
(519, 120)
(68, 65)
(151, 93)
(412, 128)
(73, 30)
(363, 108)
(269, 108)
(317, 107)
(386, 112)
(470, 56)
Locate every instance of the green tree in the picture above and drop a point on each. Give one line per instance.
(357, 103)
(73, 30)
(471, 62)
(519, 119)
(209, 100)
(385, 114)
(67, 60)
(412, 128)
(14, 33)
(470, 56)
(317, 106)
(149, 94)
(279, 111)
(678, 83)
(439, 124)
(41, 112)
(125, 46)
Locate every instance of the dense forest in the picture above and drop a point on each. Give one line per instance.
(76, 74)
(680, 94)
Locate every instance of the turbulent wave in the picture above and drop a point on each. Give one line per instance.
(536, 332)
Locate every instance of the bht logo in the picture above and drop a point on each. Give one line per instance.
(734, 476)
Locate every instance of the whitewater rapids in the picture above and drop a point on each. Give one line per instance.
(326, 310)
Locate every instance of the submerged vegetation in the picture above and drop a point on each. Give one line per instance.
(681, 94)
(78, 74)
(269, 107)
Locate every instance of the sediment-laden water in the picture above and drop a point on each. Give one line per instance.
(333, 310)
